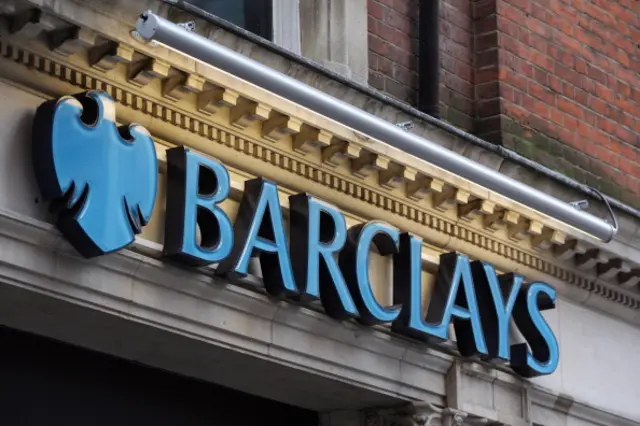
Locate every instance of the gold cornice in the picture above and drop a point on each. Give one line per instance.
(359, 175)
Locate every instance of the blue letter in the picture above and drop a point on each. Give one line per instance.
(450, 299)
(318, 232)
(195, 185)
(544, 355)
(354, 263)
(266, 237)
(491, 291)
(407, 288)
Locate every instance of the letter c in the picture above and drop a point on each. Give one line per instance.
(354, 263)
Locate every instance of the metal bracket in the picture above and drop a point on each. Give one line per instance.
(580, 205)
(135, 34)
(189, 26)
(406, 126)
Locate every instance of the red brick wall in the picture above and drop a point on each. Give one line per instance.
(393, 54)
(569, 78)
(556, 80)
(456, 62)
(393, 47)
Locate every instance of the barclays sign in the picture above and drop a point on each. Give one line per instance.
(102, 182)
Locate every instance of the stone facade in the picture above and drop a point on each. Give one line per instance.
(134, 305)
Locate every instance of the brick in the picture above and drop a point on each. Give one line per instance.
(604, 92)
(508, 27)
(457, 101)
(457, 34)
(571, 92)
(375, 9)
(400, 22)
(555, 83)
(376, 80)
(373, 60)
(485, 25)
(406, 8)
(487, 58)
(372, 25)
(404, 43)
(590, 117)
(386, 32)
(567, 42)
(516, 80)
(627, 166)
(563, 10)
(570, 123)
(404, 58)
(404, 75)
(456, 50)
(462, 6)
(454, 16)
(540, 28)
(510, 93)
(459, 68)
(459, 85)
(538, 107)
(581, 66)
(596, 74)
(487, 108)
(483, 8)
(597, 13)
(541, 92)
(557, 117)
(386, 67)
(541, 76)
(570, 107)
(607, 156)
(539, 43)
(567, 74)
(603, 62)
(486, 41)
(597, 105)
(512, 13)
(379, 46)
(485, 75)
(487, 90)
(488, 125)
(556, 52)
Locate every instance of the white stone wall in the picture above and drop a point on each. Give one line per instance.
(598, 359)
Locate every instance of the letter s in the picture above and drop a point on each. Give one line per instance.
(543, 357)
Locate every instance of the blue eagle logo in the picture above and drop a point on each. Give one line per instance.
(101, 179)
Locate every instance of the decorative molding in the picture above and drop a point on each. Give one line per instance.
(104, 57)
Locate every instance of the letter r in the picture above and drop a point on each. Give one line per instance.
(195, 187)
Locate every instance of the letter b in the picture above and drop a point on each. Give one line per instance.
(195, 187)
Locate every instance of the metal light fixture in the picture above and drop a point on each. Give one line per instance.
(154, 28)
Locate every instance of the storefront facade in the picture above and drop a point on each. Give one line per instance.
(146, 304)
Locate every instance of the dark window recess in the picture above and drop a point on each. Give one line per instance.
(252, 15)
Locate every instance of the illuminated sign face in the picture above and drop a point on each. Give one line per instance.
(318, 258)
